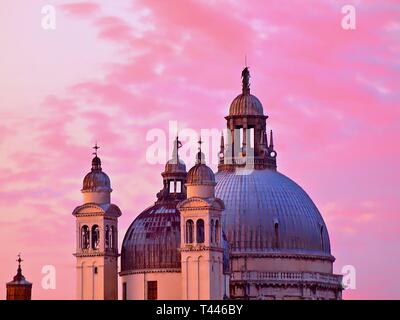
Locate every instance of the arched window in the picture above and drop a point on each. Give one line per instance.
(189, 231)
(95, 236)
(212, 231)
(200, 231)
(250, 135)
(112, 237)
(107, 237)
(217, 231)
(276, 229)
(85, 237)
(172, 186)
(178, 188)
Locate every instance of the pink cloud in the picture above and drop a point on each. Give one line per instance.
(331, 96)
(81, 9)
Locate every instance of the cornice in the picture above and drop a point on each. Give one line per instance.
(287, 255)
(158, 270)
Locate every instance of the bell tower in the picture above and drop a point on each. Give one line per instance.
(201, 236)
(97, 238)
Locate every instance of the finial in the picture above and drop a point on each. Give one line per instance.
(175, 152)
(271, 141)
(19, 260)
(264, 139)
(96, 162)
(200, 143)
(222, 149)
(199, 154)
(246, 80)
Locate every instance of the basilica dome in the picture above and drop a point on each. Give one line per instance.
(266, 211)
(152, 240)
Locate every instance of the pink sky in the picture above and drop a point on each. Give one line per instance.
(111, 72)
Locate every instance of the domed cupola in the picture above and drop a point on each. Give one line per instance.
(247, 139)
(201, 174)
(96, 179)
(96, 184)
(175, 165)
(200, 178)
(246, 104)
(174, 177)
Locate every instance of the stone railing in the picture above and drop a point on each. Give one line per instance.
(286, 276)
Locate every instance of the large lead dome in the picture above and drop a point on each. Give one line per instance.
(266, 211)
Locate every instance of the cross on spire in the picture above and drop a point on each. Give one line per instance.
(200, 142)
(96, 147)
(19, 260)
(19, 270)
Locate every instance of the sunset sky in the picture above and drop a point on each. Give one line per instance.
(113, 70)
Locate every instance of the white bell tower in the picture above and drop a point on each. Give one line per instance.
(201, 236)
(97, 238)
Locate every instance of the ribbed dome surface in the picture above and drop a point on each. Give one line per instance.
(256, 202)
(175, 166)
(246, 104)
(96, 180)
(200, 174)
(153, 241)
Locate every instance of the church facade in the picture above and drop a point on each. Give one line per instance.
(245, 232)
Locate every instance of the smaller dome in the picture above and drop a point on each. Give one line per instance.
(201, 174)
(173, 166)
(96, 180)
(246, 104)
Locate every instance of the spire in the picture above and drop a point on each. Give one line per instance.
(19, 275)
(271, 142)
(222, 149)
(246, 80)
(264, 139)
(19, 260)
(175, 152)
(222, 146)
(96, 162)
